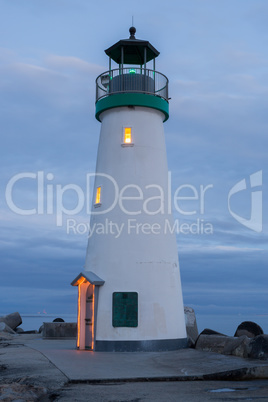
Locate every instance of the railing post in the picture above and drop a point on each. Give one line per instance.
(110, 73)
(154, 73)
(145, 60)
(167, 90)
(122, 68)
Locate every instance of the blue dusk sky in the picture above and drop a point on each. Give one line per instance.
(215, 56)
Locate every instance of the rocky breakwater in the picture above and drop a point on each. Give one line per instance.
(249, 341)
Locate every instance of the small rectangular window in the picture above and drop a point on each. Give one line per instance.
(127, 135)
(98, 195)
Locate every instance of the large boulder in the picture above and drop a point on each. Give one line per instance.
(58, 320)
(5, 328)
(211, 343)
(191, 325)
(239, 347)
(248, 328)
(19, 330)
(59, 330)
(259, 347)
(227, 345)
(208, 331)
(12, 320)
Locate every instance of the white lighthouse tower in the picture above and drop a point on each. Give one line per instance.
(129, 294)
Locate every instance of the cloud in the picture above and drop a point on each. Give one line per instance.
(248, 84)
(237, 58)
(217, 134)
(7, 55)
(53, 79)
(54, 113)
(37, 298)
(70, 63)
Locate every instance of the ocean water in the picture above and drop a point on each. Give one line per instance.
(225, 324)
(34, 321)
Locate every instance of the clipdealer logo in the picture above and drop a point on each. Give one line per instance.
(255, 221)
(131, 199)
(50, 199)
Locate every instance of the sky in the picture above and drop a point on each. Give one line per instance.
(215, 56)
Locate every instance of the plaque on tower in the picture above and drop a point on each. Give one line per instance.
(125, 309)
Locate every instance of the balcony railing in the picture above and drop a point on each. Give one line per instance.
(131, 79)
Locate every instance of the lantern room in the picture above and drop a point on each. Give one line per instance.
(132, 76)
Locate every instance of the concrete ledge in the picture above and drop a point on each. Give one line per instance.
(59, 330)
(179, 365)
(242, 374)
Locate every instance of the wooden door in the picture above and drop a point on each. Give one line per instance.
(89, 319)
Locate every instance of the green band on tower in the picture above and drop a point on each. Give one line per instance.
(132, 99)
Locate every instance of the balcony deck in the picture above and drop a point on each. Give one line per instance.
(132, 80)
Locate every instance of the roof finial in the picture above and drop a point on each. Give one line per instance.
(132, 31)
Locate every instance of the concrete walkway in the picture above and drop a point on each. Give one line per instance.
(181, 365)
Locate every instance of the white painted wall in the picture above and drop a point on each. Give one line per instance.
(138, 262)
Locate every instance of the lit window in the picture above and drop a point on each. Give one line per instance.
(98, 195)
(127, 135)
(127, 140)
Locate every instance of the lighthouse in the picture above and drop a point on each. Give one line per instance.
(129, 293)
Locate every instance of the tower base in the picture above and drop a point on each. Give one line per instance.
(159, 345)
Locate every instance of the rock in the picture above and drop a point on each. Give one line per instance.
(12, 320)
(22, 392)
(248, 328)
(226, 345)
(208, 331)
(259, 347)
(19, 330)
(191, 325)
(211, 343)
(5, 336)
(58, 320)
(59, 330)
(237, 346)
(5, 328)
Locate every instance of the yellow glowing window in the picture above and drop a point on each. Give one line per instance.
(98, 195)
(127, 135)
